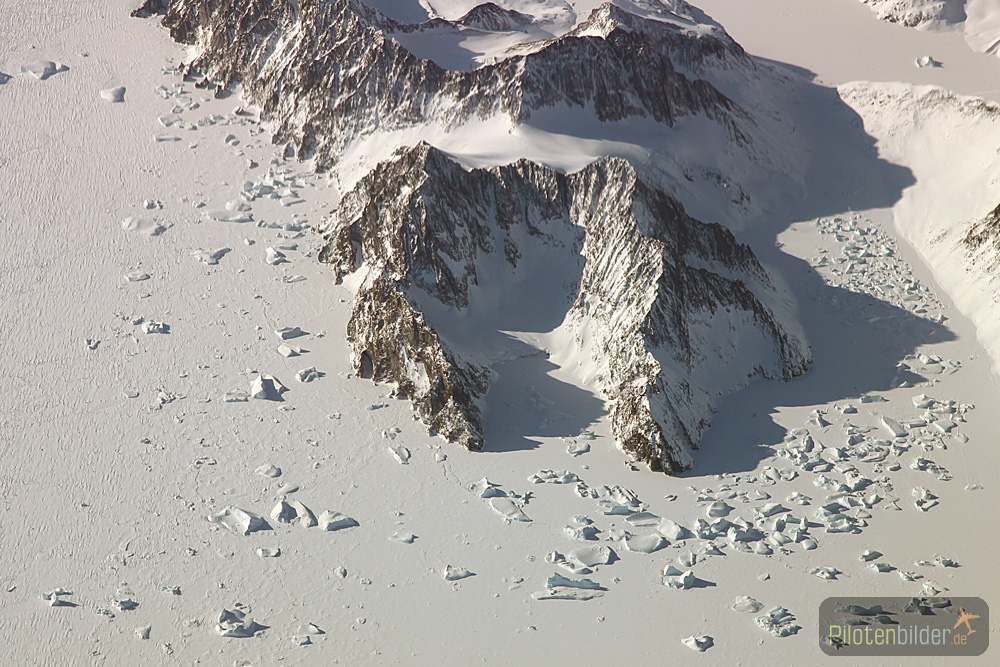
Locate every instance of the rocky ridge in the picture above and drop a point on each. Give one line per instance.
(326, 72)
(657, 312)
(648, 289)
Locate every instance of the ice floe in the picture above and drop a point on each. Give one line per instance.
(267, 387)
(210, 257)
(924, 499)
(642, 519)
(746, 604)
(553, 477)
(566, 593)
(237, 521)
(718, 509)
(288, 333)
(673, 531)
(559, 581)
(508, 509)
(571, 566)
(293, 511)
(330, 520)
(646, 544)
(405, 538)
(825, 572)
(779, 622)
(224, 215)
(113, 95)
(268, 470)
(43, 69)
(581, 531)
(57, 597)
(452, 573)
(400, 453)
(272, 256)
(484, 488)
(592, 556)
(307, 374)
(154, 327)
(771, 509)
(674, 578)
(236, 623)
(141, 225)
(700, 643)
(893, 427)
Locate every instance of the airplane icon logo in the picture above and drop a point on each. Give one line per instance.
(965, 617)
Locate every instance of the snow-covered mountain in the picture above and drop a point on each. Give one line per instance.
(659, 84)
(919, 13)
(948, 142)
(457, 271)
(979, 20)
(325, 73)
(651, 104)
(192, 466)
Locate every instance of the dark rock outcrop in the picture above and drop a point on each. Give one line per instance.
(327, 71)
(659, 303)
(458, 271)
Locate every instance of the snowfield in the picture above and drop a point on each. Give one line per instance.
(193, 473)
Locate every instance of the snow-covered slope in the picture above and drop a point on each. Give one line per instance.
(656, 83)
(920, 13)
(458, 271)
(949, 143)
(979, 20)
(131, 451)
(326, 73)
(664, 87)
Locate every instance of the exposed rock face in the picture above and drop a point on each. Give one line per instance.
(151, 7)
(982, 242)
(489, 16)
(458, 271)
(326, 71)
(662, 305)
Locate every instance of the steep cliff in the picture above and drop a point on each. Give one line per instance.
(595, 264)
(451, 263)
(326, 72)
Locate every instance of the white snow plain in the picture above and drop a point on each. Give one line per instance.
(117, 445)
